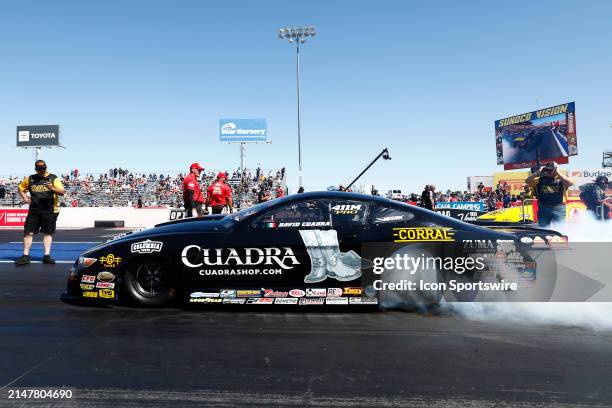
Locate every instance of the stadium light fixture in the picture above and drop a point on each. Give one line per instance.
(297, 36)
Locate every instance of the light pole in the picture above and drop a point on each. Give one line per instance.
(298, 35)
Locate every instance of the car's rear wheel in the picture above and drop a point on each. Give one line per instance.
(151, 282)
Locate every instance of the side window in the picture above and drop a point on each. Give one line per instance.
(382, 215)
(301, 214)
(348, 214)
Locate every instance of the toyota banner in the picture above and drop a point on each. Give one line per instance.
(39, 135)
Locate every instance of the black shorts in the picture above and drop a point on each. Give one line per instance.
(217, 209)
(40, 222)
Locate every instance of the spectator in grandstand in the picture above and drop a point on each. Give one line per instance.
(550, 187)
(594, 197)
(192, 193)
(300, 190)
(219, 195)
(263, 195)
(44, 189)
(427, 197)
(506, 199)
(280, 192)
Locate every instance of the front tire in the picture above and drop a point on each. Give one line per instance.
(150, 282)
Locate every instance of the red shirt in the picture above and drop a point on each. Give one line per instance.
(219, 193)
(191, 183)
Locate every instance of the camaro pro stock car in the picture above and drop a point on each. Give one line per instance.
(320, 248)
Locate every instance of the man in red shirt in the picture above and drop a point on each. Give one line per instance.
(192, 193)
(219, 195)
(280, 192)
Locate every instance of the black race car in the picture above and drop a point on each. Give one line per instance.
(320, 248)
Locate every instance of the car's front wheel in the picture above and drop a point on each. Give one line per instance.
(151, 282)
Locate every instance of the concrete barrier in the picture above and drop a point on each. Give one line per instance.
(84, 217)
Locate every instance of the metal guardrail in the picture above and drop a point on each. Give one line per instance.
(532, 200)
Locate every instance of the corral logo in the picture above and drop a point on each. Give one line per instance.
(248, 293)
(274, 293)
(478, 244)
(310, 292)
(106, 293)
(346, 209)
(297, 293)
(312, 301)
(105, 285)
(110, 261)
(194, 256)
(286, 301)
(352, 291)
(423, 234)
(88, 279)
(334, 292)
(260, 301)
(146, 247)
(336, 301)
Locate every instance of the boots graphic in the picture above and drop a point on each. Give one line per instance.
(317, 261)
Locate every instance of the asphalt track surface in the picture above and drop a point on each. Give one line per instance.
(120, 356)
(550, 143)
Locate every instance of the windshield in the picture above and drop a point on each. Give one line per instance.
(242, 214)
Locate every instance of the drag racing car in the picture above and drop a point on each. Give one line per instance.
(319, 248)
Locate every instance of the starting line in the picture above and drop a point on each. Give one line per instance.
(63, 252)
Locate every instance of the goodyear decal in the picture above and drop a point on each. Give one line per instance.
(423, 234)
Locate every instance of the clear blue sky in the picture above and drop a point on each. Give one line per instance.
(143, 84)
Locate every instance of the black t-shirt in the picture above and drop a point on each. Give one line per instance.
(43, 199)
(550, 191)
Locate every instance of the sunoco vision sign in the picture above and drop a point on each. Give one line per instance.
(39, 135)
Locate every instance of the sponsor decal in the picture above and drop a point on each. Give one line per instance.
(478, 244)
(146, 247)
(312, 301)
(194, 256)
(334, 292)
(310, 292)
(106, 293)
(228, 293)
(304, 224)
(86, 286)
(110, 261)
(105, 285)
(205, 300)
(286, 301)
(197, 295)
(390, 218)
(336, 301)
(297, 293)
(248, 293)
(88, 279)
(363, 301)
(90, 294)
(260, 301)
(423, 234)
(274, 293)
(346, 209)
(352, 291)
(234, 301)
(105, 276)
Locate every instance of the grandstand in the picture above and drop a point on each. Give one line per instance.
(155, 190)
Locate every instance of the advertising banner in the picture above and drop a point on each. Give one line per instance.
(462, 205)
(550, 131)
(39, 135)
(583, 178)
(243, 130)
(12, 217)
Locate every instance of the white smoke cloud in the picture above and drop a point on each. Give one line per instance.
(594, 316)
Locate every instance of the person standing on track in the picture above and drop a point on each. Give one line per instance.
(192, 193)
(44, 189)
(219, 195)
